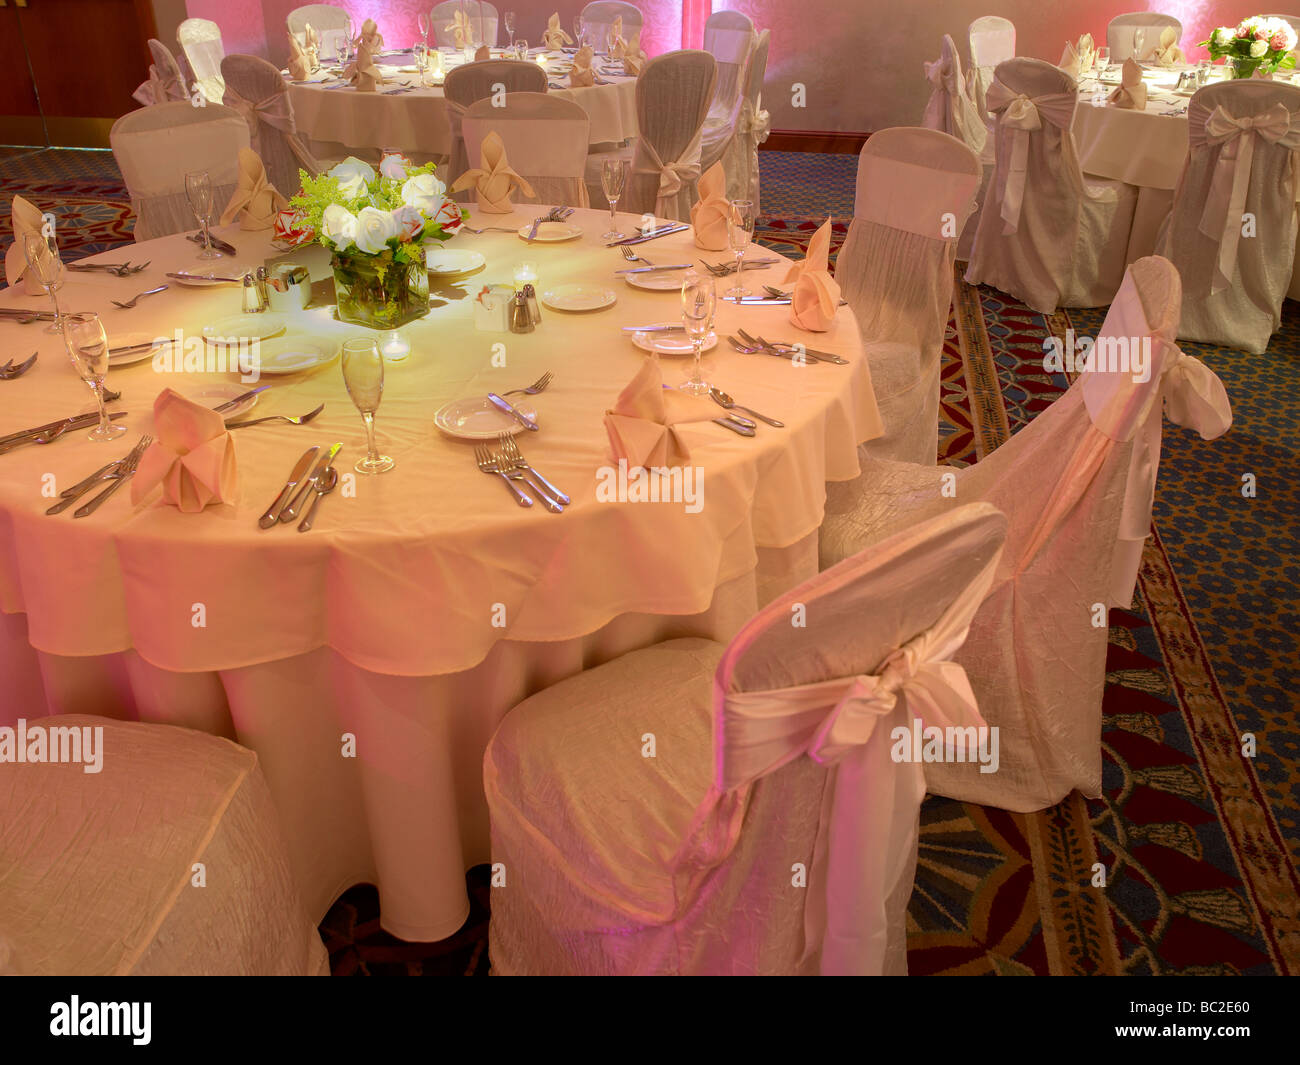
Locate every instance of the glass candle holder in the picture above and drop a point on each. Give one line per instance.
(394, 348)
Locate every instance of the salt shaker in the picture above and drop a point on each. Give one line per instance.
(534, 311)
(263, 286)
(520, 320)
(252, 301)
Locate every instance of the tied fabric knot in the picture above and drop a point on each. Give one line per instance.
(674, 175)
(493, 179)
(939, 72)
(755, 123)
(1023, 115)
(256, 202)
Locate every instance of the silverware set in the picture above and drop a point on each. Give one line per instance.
(555, 214)
(514, 470)
(654, 234)
(756, 345)
(47, 434)
(10, 372)
(727, 403)
(21, 317)
(128, 304)
(125, 269)
(649, 267)
(727, 269)
(116, 473)
(318, 483)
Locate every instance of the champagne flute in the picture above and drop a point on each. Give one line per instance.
(87, 345)
(1103, 60)
(510, 26)
(423, 21)
(613, 175)
(1139, 40)
(43, 261)
(699, 300)
(421, 53)
(198, 190)
(363, 373)
(740, 231)
(521, 46)
(579, 24)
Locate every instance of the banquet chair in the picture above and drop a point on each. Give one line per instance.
(1047, 234)
(730, 38)
(992, 41)
(256, 90)
(472, 82)
(740, 157)
(167, 861)
(1076, 485)
(545, 141)
(483, 20)
(1119, 34)
(1236, 175)
(328, 20)
(200, 40)
(155, 147)
(727, 852)
(672, 102)
(896, 271)
(598, 20)
(165, 79)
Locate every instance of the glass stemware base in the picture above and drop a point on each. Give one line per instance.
(377, 464)
(111, 431)
(694, 388)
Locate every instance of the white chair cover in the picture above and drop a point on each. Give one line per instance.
(729, 37)
(256, 90)
(682, 863)
(545, 140)
(99, 867)
(598, 20)
(950, 108)
(329, 21)
(165, 79)
(1119, 34)
(155, 147)
(992, 41)
(753, 124)
(1076, 485)
(472, 82)
(1242, 161)
(896, 271)
(672, 102)
(200, 40)
(480, 16)
(1047, 235)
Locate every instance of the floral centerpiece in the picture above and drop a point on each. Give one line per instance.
(1254, 44)
(375, 226)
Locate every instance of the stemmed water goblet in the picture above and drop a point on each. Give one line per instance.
(363, 374)
(424, 24)
(198, 190)
(87, 345)
(43, 261)
(613, 176)
(740, 231)
(699, 301)
(579, 24)
(510, 26)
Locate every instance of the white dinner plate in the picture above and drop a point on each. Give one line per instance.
(295, 353)
(551, 232)
(446, 262)
(477, 419)
(125, 340)
(658, 281)
(246, 327)
(579, 297)
(672, 343)
(215, 395)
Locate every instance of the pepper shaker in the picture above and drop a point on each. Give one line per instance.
(263, 286)
(252, 301)
(534, 311)
(520, 320)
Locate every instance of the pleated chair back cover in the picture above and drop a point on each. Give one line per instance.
(545, 140)
(328, 20)
(672, 102)
(166, 82)
(992, 41)
(200, 40)
(598, 21)
(753, 124)
(1233, 286)
(256, 90)
(896, 271)
(729, 37)
(1119, 34)
(482, 18)
(155, 147)
(951, 109)
(1076, 485)
(699, 877)
(472, 82)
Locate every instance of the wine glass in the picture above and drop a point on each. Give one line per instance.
(43, 261)
(699, 300)
(510, 26)
(198, 190)
(613, 175)
(521, 48)
(579, 24)
(1139, 41)
(1103, 60)
(87, 345)
(740, 231)
(363, 373)
(421, 53)
(423, 20)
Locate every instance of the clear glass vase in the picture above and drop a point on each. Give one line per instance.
(1243, 66)
(374, 291)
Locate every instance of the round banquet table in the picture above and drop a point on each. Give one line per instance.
(369, 661)
(339, 119)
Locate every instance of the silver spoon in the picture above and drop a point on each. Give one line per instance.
(724, 400)
(328, 480)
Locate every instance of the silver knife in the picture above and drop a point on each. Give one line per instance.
(654, 329)
(653, 269)
(735, 427)
(812, 353)
(203, 277)
(230, 404)
(291, 511)
(532, 233)
(12, 443)
(505, 405)
(300, 469)
(649, 236)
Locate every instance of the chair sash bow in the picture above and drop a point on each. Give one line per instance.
(674, 175)
(1023, 115)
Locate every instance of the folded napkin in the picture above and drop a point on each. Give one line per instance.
(27, 220)
(816, 295)
(311, 45)
(256, 202)
(362, 72)
(1167, 53)
(300, 67)
(484, 52)
(554, 35)
(370, 36)
(709, 216)
(1070, 61)
(192, 456)
(641, 426)
(581, 75)
(631, 54)
(493, 179)
(1086, 50)
(616, 31)
(1132, 91)
(461, 29)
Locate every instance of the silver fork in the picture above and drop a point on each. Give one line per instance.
(124, 474)
(488, 464)
(106, 472)
(9, 371)
(488, 229)
(301, 419)
(537, 386)
(512, 466)
(633, 257)
(136, 299)
(516, 457)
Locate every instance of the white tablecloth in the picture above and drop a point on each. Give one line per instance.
(380, 623)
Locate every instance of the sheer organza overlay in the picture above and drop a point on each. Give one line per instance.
(950, 108)
(672, 102)
(545, 140)
(728, 851)
(1076, 485)
(481, 18)
(472, 82)
(200, 40)
(992, 41)
(256, 90)
(165, 79)
(753, 124)
(1119, 34)
(324, 19)
(598, 20)
(1240, 178)
(729, 37)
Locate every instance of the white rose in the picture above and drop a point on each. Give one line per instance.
(353, 176)
(1223, 36)
(394, 166)
(374, 230)
(339, 226)
(1258, 49)
(424, 192)
(409, 221)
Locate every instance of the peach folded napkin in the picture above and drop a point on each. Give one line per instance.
(362, 72)
(1086, 50)
(631, 54)
(581, 75)
(554, 35)
(1132, 91)
(484, 52)
(311, 45)
(816, 295)
(641, 426)
(1070, 61)
(461, 29)
(370, 36)
(192, 457)
(1167, 53)
(256, 202)
(493, 179)
(300, 67)
(27, 220)
(709, 216)
(616, 32)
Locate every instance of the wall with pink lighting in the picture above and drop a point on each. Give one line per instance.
(860, 61)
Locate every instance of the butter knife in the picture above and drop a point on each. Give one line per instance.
(654, 269)
(17, 440)
(734, 426)
(300, 469)
(505, 405)
(668, 231)
(203, 277)
(291, 511)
